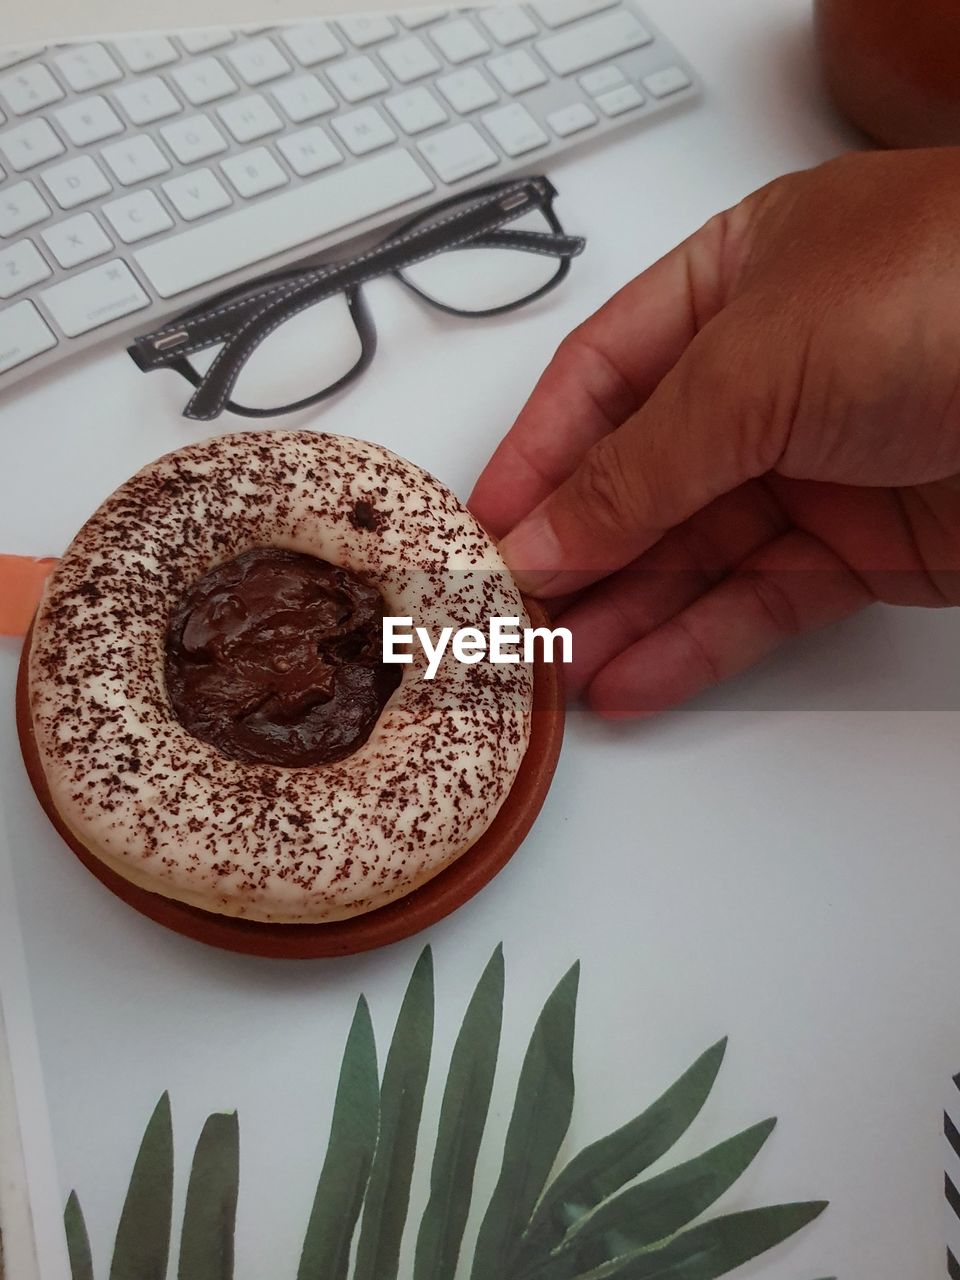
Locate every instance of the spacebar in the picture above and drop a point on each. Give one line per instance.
(281, 223)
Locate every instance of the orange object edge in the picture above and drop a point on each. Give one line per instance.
(21, 586)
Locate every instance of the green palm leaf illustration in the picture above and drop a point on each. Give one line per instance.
(210, 1216)
(653, 1210)
(142, 1246)
(715, 1247)
(401, 1102)
(538, 1125)
(588, 1224)
(607, 1164)
(78, 1242)
(463, 1116)
(346, 1168)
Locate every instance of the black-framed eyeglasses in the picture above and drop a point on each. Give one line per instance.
(480, 254)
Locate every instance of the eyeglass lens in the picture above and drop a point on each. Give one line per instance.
(473, 280)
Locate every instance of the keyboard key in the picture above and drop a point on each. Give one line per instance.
(515, 129)
(669, 80)
(507, 23)
(457, 152)
(94, 298)
(572, 119)
(557, 13)
(146, 100)
(203, 39)
(254, 172)
(467, 90)
(10, 57)
(308, 151)
(415, 110)
(196, 194)
(86, 67)
(409, 59)
(413, 19)
(366, 28)
(21, 265)
(21, 206)
(250, 118)
(193, 139)
(89, 120)
(328, 204)
(145, 53)
(459, 40)
(617, 101)
(135, 160)
(312, 43)
(23, 335)
(593, 42)
(204, 81)
(257, 61)
(76, 240)
(303, 98)
(356, 79)
(30, 144)
(29, 88)
(137, 216)
(517, 72)
(76, 181)
(364, 130)
(601, 80)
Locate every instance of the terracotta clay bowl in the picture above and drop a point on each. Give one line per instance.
(400, 919)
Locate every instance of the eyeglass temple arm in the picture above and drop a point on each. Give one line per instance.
(554, 244)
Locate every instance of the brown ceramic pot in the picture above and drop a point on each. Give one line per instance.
(409, 915)
(894, 68)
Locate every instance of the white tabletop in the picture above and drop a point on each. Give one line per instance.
(55, 20)
(777, 863)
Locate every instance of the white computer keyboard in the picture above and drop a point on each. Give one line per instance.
(141, 176)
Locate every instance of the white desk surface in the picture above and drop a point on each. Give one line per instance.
(778, 863)
(54, 20)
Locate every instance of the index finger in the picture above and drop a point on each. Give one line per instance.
(604, 371)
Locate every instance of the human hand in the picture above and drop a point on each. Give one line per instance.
(757, 436)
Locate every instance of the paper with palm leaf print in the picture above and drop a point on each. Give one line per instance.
(592, 1220)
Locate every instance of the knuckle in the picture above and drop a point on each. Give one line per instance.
(594, 373)
(775, 604)
(723, 380)
(578, 351)
(705, 668)
(605, 496)
(571, 351)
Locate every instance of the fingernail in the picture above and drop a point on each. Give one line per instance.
(533, 554)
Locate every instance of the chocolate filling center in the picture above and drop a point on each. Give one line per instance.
(276, 658)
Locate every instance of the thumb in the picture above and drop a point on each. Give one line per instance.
(714, 422)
